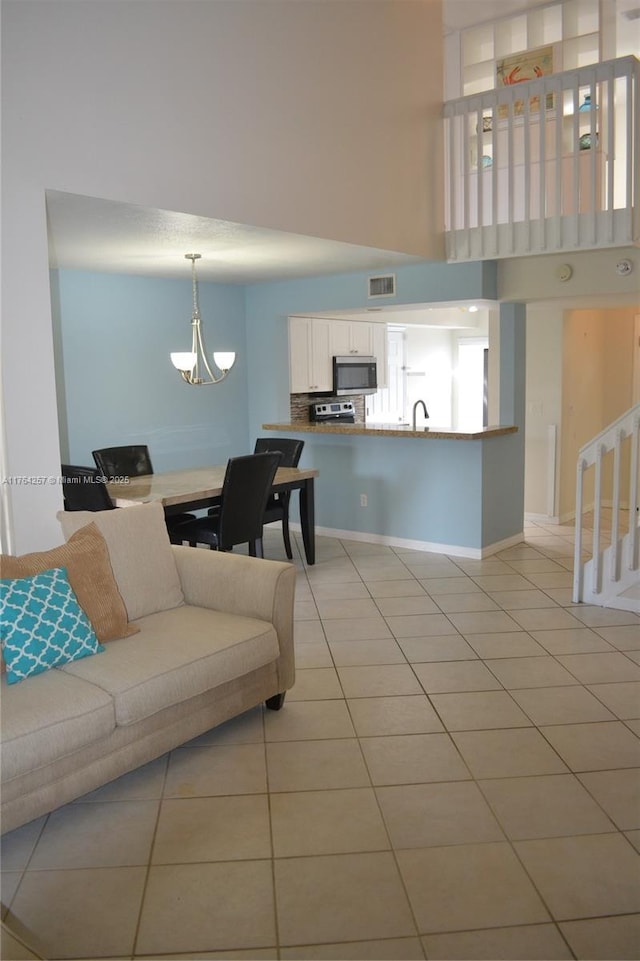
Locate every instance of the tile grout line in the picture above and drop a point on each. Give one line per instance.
(143, 894)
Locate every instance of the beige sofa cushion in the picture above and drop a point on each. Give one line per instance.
(85, 557)
(140, 553)
(49, 716)
(177, 654)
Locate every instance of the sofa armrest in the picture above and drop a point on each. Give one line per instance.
(238, 584)
(234, 583)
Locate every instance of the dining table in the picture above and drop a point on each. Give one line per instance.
(200, 487)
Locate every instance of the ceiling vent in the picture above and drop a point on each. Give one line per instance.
(384, 286)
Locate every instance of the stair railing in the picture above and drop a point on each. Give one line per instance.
(623, 551)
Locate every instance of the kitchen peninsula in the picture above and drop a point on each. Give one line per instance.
(440, 490)
(390, 430)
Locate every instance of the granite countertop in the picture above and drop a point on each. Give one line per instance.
(390, 430)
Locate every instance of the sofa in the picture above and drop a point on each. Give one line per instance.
(186, 639)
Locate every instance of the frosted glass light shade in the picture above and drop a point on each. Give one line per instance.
(224, 359)
(183, 360)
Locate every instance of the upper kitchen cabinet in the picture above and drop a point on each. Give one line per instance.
(360, 337)
(314, 341)
(310, 367)
(351, 337)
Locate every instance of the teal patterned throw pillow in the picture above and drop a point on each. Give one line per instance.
(42, 624)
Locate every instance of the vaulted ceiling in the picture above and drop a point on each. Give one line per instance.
(89, 233)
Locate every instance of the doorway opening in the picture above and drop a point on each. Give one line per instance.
(444, 368)
(388, 405)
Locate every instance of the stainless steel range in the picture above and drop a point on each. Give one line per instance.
(335, 411)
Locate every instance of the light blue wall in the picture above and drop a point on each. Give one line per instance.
(503, 457)
(116, 333)
(417, 490)
(269, 305)
(431, 491)
(117, 386)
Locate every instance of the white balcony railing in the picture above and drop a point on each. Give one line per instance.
(544, 166)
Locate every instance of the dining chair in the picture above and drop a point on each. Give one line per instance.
(134, 460)
(84, 490)
(240, 516)
(277, 508)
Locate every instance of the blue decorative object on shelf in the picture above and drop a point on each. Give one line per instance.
(587, 105)
(584, 142)
(487, 161)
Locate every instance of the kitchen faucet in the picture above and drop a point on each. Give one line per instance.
(415, 407)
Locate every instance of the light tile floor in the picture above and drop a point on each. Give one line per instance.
(454, 775)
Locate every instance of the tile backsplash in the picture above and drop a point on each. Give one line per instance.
(300, 403)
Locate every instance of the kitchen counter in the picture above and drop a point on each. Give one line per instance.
(389, 430)
(387, 483)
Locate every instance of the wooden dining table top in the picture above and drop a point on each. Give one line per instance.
(190, 484)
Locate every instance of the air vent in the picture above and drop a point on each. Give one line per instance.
(384, 286)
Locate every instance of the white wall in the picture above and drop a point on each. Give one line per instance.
(432, 359)
(318, 118)
(543, 409)
(579, 379)
(597, 388)
(493, 331)
(429, 354)
(594, 275)
(534, 280)
(313, 117)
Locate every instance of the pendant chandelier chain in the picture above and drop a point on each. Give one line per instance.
(194, 285)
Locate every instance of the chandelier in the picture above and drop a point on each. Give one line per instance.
(193, 364)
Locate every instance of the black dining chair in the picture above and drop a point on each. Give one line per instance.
(84, 490)
(240, 517)
(277, 508)
(134, 460)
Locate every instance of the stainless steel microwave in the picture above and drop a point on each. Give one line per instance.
(354, 374)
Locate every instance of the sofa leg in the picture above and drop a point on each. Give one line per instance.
(275, 703)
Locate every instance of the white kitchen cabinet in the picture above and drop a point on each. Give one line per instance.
(351, 337)
(314, 341)
(367, 339)
(310, 367)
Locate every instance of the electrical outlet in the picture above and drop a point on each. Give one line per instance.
(363, 500)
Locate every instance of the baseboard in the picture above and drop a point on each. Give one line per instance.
(570, 516)
(541, 518)
(453, 550)
(503, 545)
